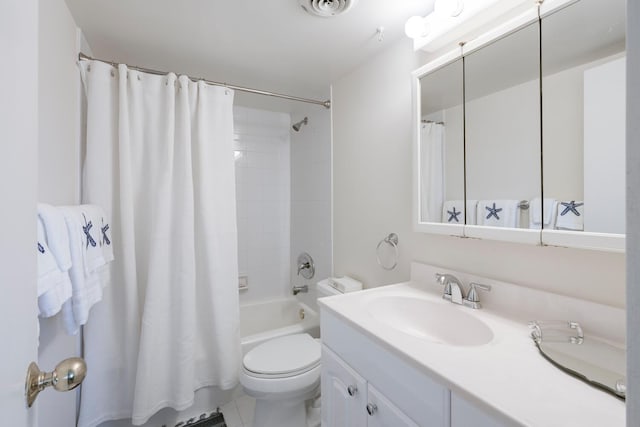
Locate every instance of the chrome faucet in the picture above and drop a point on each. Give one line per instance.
(303, 266)
(472, 300)
(453, 290)
(297, 289)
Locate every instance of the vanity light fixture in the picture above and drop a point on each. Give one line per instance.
(419, 27)
(416, 27)
(448, 8)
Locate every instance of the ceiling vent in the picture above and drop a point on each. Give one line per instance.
(327, 8)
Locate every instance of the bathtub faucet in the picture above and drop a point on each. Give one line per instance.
(297, 289)
(303, 266)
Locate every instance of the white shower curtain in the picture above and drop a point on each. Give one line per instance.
(432, 182)
(159, 160)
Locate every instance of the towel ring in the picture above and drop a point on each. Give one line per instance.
(391, 239)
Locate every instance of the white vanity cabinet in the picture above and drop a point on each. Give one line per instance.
(344, 393)
(385, 390)
(348, 401)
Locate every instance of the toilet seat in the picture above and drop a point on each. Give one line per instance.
(283, 357)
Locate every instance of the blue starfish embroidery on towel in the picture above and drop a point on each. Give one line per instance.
(571, 207)
(453, 215)
(493, 211)
(86, 228)
(40, 248)
(104, 230)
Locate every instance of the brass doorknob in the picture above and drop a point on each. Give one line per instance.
(67, 375)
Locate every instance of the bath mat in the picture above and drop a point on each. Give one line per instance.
(216, 419)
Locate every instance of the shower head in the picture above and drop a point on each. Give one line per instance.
(298, 125)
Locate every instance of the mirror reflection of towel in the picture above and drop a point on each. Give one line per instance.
(499, 213)
(453, 212)
(570, 215)
(542, 216)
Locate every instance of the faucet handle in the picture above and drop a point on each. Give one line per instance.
(442, 280)
(472, 300)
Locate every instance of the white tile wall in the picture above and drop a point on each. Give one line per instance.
(311, 195)
(283, 186)
(263, 201)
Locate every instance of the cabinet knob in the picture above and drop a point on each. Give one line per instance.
(352, 390)
(372, 408)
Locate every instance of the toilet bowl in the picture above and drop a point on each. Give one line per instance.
(283, 373)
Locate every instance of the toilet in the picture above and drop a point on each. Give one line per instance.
(282, 374)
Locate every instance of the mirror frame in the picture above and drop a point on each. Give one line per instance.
(607, 242)
(560, 238)
(420, 226)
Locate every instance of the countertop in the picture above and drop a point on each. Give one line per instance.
(507, 377)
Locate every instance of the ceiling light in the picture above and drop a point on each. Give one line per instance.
(449, 7)
(416, 27)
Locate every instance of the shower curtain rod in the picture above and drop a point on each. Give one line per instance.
(325, 104)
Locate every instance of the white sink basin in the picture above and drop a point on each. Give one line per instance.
(440, 322)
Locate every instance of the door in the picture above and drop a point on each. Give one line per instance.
(18, 189)
(382, 413)
(344, 393)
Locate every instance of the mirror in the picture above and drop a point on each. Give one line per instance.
(529, 124)
(595, 361)
(502, 115)
(441, 146)
(583, 69)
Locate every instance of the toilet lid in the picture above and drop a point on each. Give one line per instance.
(283, 355)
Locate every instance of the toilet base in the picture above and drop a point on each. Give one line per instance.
(287, 412)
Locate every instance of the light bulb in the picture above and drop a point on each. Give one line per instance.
(416, 27)
(449, 7)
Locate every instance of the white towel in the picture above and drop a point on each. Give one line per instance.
(345, 284)
(570, 215)
(48, 272)
(539, 218)
(88, 272)
(499, 213)
(453, 212)
(56, 234)
(54, 285)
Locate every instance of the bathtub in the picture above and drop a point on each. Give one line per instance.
(265, 320)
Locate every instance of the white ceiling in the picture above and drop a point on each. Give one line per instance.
(267, 44)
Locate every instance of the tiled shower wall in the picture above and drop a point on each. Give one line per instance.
(263, 202)
(311, 196)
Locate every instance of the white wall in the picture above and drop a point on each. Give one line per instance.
(604, 147)
(263, 202)
(372, 184)
(59, 171)
(18, 190)
(311, 195)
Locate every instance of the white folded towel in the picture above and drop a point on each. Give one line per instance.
(57, 235)
(540, 216)
(499, 213)
(89, 271)
(453, 212)
(48, 272)
(345, 284)
(570, 215)
(54, 285)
